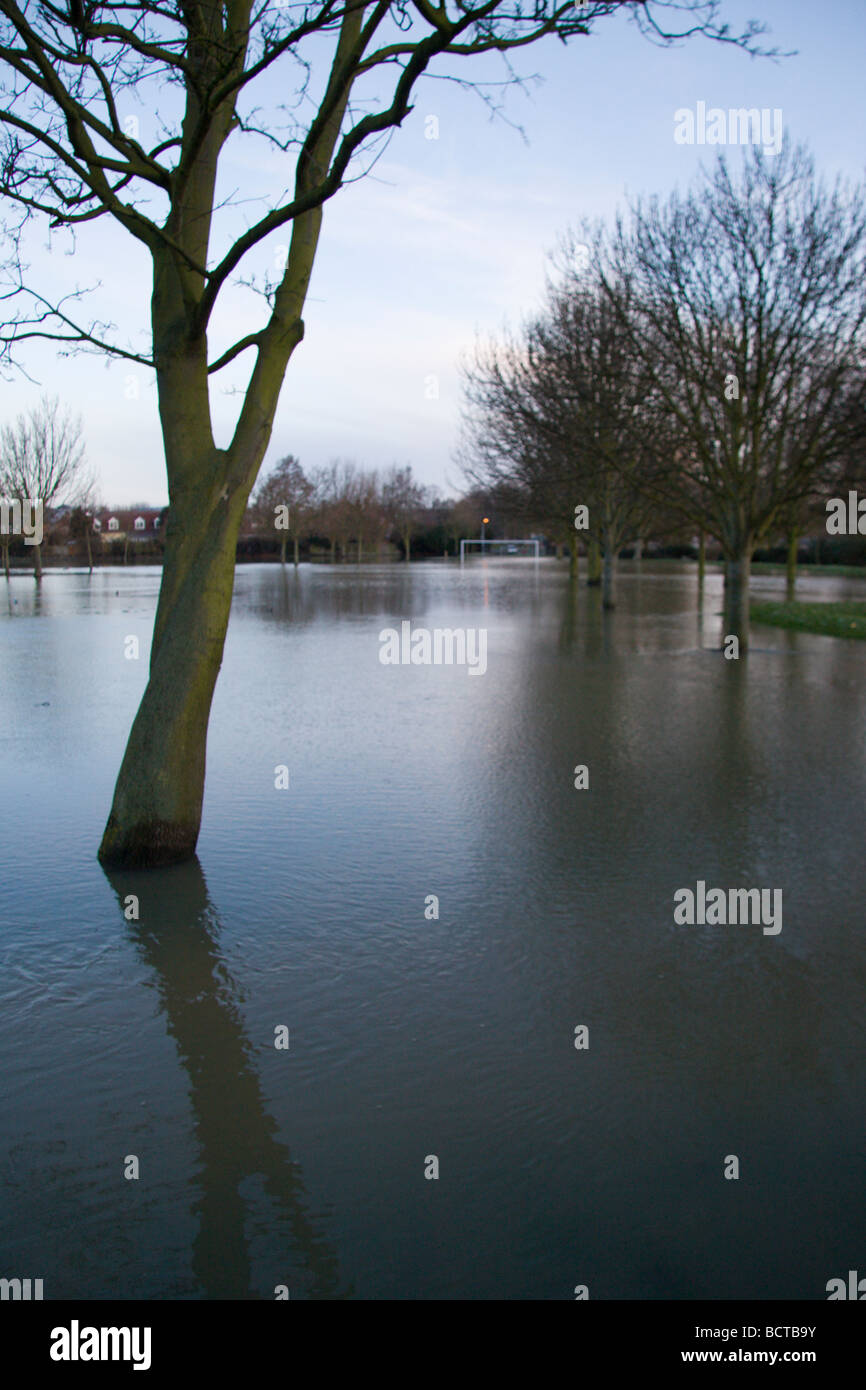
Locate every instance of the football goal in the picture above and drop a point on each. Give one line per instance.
(503, 547)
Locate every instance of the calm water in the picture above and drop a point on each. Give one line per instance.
(452, 1037)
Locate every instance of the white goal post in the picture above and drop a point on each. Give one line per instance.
(500, 543)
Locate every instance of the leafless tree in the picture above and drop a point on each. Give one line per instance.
(282, 504)
(560, 415)
(402, 499)
(752, 315)
(42, 458)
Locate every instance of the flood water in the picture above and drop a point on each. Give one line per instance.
(412, 1036)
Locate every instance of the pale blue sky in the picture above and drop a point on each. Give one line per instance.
(448, 238)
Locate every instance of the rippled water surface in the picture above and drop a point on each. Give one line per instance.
(454, 1037)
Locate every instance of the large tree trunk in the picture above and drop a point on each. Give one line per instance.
(738, 567)
(573, 557)
(702, 559)
(37, 562)
(791, 567)
(296, 552)
(283, 539)
(6, 560)
(156, 813)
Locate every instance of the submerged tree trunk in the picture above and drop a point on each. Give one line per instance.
(593, 564)
(407, 541)
(736, 599)
(283, 539)
(6, 560)
(608, 577)
(37, 562)
(791, 568)
(296, 552)
(702, 559)
(156, 812)
(573, 557)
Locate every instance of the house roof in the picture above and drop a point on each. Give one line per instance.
(126, 517)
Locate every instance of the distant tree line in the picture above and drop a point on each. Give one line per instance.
(337, 512)
(343, 512)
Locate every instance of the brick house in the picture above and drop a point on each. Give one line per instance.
(133, 525)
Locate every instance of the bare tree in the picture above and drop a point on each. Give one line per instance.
(509, 440)
(752, 329)
(282, 503)
(334, 487)
(402, 500)
(559, 416)
(86, 507)
(70, 156)
(594, 390)
(42, 459)
(365, 512)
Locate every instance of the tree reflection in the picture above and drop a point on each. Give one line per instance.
(178, 938)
